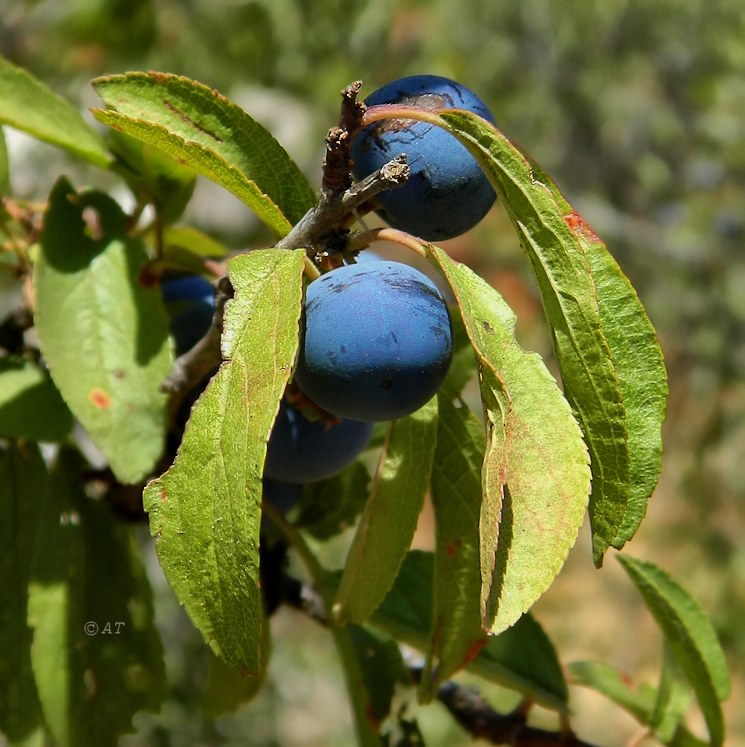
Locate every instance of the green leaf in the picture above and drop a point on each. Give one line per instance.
(571, 301)
(96, 654)
(608, 681)
(522, 658)
(30, 405)
(390, 518)
(29, 105)
(23, 476)
(641, 371)
(457, 634)
(690, 636)
(639, 702)
(153, 175)
(329, 506)
(227, 688)
(205, 511)
(382, 669)
(213, 136)
(104, 335)
(535, 477)
(673, 699)
(4, 164)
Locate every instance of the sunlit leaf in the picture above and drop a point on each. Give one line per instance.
(29, 105)
(584, 350)
(103, 334)
(96, 654)
(690, 636)
(535, 477)
(210, 134)
(389, 521)
(205, 511)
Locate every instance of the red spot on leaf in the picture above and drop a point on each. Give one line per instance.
(453, 548)
(99, 398)
(147, 277)
(163, 495)
(581, 227)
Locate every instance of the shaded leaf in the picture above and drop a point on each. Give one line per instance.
(522, 658)
(96, 654)
(205, 511)
(382, 669)
(104, 335)
(23, 477)
(535, 477)
(29, 105)
(456, 635)
(391, 513)
(329, 506)
(30, 405)
(690, 636)
(213, 136)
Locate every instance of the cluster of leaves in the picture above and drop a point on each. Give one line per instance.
(509, 490)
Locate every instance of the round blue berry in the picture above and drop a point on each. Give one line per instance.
(377, 341)
(302, 450)
(190, 302)
(447, 192)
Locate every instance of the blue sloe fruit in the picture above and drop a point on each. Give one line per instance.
(377, 341)
(190, 302)
(302, 450)
(447, 193)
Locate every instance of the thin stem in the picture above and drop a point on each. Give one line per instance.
(364, 239)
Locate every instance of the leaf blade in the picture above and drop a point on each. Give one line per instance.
(205, 510)
(213, 136)
(389, 520)
(535, 475)
(690, 636)
(103, 334)
(96, 654)
(29, 105)
(30, 405)
(570, 299)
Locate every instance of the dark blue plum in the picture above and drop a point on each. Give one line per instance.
(302, 450)
(447, 192)
(190, 302)
(377, 341)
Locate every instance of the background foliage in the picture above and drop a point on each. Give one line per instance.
(635, 108)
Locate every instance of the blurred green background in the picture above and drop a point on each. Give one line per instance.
(637, 109)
